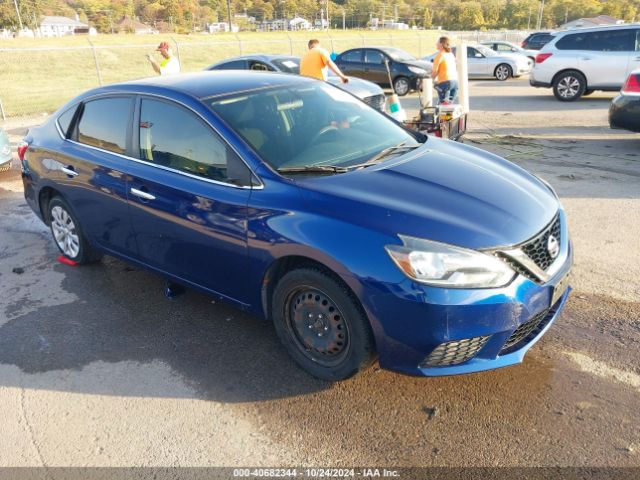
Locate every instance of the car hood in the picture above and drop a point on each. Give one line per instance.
(426, 65)
(443, 191)
(357, 86)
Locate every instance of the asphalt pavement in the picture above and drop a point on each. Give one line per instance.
(98, 368)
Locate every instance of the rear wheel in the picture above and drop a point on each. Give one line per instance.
(503, 72)
(569, 86)
(67, 233)
(401, 86)
(322, 325)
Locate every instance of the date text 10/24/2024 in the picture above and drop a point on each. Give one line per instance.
(316, 472)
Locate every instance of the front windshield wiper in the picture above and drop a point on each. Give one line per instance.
(314, 168)
(385, 153)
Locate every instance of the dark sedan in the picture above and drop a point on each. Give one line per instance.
(368, 92)
(624, 112)
(536, 40)
(369, 63)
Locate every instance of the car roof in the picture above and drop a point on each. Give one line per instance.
(622, 26)
(208, 83)
(258, 56)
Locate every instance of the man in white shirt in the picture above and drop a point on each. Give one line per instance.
(169, 65)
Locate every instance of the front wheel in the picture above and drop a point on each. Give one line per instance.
(503, 72)
(322, 325)
(569, 86)
(67, 233)
(401, 86)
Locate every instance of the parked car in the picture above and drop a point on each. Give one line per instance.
(579, 62)
(482, 62)
(624, 111)
(536, 40)
(504, 48)
(369, 92)
(297, 202)
(5, 152)
(368, 63)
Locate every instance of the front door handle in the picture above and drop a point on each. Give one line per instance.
(143, 195)
(69, 171)
(586, 58)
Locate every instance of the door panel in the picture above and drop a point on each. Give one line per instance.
(186, 223)
(95, 172)
(374, 68)
(476, 63)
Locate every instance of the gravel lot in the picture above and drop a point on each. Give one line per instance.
(97, 368)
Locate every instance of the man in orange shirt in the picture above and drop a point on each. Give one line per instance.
(314, 63)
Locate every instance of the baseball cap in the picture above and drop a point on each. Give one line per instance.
(163, 46)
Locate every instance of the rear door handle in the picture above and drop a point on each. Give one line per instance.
(143, 195)
(69, 171)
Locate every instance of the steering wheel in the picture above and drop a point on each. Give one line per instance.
(323, 131)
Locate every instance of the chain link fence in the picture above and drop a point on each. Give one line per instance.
(36, 81)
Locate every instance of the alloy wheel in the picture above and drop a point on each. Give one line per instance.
(568, 87)
(502, 72)
(64, 232)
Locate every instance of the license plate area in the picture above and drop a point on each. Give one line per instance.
(560, 288)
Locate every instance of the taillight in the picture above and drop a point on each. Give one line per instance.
(632, 85)
(541, 57)
(22, 149)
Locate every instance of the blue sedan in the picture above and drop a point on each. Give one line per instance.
(295, 201)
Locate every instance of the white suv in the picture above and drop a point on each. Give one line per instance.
(578, 62)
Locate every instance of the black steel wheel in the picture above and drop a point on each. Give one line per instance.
(322, 325)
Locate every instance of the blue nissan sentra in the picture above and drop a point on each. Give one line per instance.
(299, 203)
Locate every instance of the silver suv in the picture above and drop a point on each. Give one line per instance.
(578, 62)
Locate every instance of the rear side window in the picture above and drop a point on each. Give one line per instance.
(235, 65)
(64, 120)
(174, 137)
(353, 56)
(604, 41)
(104, 123)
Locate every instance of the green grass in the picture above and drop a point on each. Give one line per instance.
(39, 75)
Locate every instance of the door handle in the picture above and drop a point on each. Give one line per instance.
(69, 171)
(143, 195)
(637, 58)
(586, 58)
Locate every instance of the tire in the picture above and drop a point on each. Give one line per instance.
(503, 72)
(587, 93)
(569, 86)
(5, 167)
(401, 86)
(322, 325)
(67, 233)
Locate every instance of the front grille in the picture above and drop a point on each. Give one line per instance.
(529, 330)
(376, 101)
(455, 352)
(536, 249)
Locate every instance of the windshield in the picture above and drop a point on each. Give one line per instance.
(310, 125)
(287, 65)
(399, 55)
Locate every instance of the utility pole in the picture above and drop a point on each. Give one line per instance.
(15, 2)
(229, 14)
(395, 12)
(343, 19)
(529, 19)
(384, 8)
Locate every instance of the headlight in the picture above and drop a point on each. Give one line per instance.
(418, 71)
(443, 265)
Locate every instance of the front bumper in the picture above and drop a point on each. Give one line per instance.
(624, 112)
(412, 322)
(535, 83)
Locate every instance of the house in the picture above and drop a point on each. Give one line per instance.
(299, 23)
(129, 25)
(60, 26)
(599, 21)
(222, 27)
